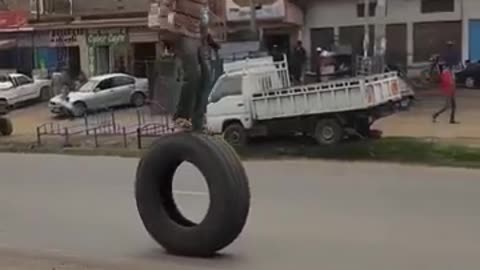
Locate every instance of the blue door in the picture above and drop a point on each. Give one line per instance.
(474, 40)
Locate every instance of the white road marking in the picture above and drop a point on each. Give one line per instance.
(190, 193)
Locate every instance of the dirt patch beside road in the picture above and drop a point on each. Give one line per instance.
(418, 123)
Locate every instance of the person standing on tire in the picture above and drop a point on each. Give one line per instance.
(196, 59)
(447, 85)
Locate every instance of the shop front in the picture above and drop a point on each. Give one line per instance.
(57, 50)
(108, 51)
(144, 51)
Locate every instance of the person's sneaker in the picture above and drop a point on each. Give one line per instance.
(434, 119)
(454, 122)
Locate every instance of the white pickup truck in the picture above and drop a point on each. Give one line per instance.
(255, 98)
(17, 88)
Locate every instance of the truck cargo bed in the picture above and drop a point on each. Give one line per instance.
(329, 97)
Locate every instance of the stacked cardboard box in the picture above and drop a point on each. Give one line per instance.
(182, 17)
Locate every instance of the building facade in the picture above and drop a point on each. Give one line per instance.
(280, 22)
(416, 29)
(94, 37)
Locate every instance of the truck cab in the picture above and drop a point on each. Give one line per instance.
(229, 107)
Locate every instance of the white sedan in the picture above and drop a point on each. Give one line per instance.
(17, 88)
(101, 92)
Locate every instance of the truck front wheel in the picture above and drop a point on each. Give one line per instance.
(6, 127)
(235, 134)
(328, 132)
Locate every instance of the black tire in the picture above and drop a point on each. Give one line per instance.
(138, 100)
(328, 132)
(362, 126)
(44, 94)
(235, 134)
(228, 187)
(79, 109)
(6, 127)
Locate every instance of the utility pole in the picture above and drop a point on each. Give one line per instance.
(366, 37)
(380, 34)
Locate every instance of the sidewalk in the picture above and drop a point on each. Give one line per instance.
(418, 121)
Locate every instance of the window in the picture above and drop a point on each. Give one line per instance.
(122, 81)
(432, 6)
(22, 80)
(106, 84)
(226, 86)
(372, 8)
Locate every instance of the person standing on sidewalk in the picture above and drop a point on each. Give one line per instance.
(447, 85)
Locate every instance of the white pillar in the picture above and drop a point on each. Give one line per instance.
(410, 49)
(84, 59)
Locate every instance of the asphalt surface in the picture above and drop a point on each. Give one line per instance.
(61, 212)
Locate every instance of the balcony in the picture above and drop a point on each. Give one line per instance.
(51, 7)
(238, 11)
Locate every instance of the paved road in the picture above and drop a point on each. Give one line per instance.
(60, 212)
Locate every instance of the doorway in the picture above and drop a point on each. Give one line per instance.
(281, 40)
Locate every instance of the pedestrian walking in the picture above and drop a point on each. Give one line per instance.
(447, 85)
(299, 57)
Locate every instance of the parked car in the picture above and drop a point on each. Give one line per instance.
(18, 88)
(101, 92)
(469, 77)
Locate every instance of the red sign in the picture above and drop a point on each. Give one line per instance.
(12, 19)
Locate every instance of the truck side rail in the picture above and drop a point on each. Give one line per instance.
(328, 97)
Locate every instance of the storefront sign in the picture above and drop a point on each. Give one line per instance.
(12, 19)
(65, 37)
(107, 37)
(239, 10)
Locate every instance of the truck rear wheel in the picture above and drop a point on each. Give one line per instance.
(228, 191)
(328, 132)
(235, 134)
(6, 127)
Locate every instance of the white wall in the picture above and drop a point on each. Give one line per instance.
(336, 13)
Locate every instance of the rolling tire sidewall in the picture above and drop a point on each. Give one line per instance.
(229, 195)
(238, 130)
(6, 127)
(335, 128)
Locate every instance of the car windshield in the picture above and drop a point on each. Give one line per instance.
(89, 86)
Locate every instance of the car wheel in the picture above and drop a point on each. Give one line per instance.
(138, 100)
(44, 94)
(79, 109)
(328, 132)
(229, 194)
(6, 127)
(235, 134)
(470, 82)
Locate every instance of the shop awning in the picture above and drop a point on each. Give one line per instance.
(7, 44)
